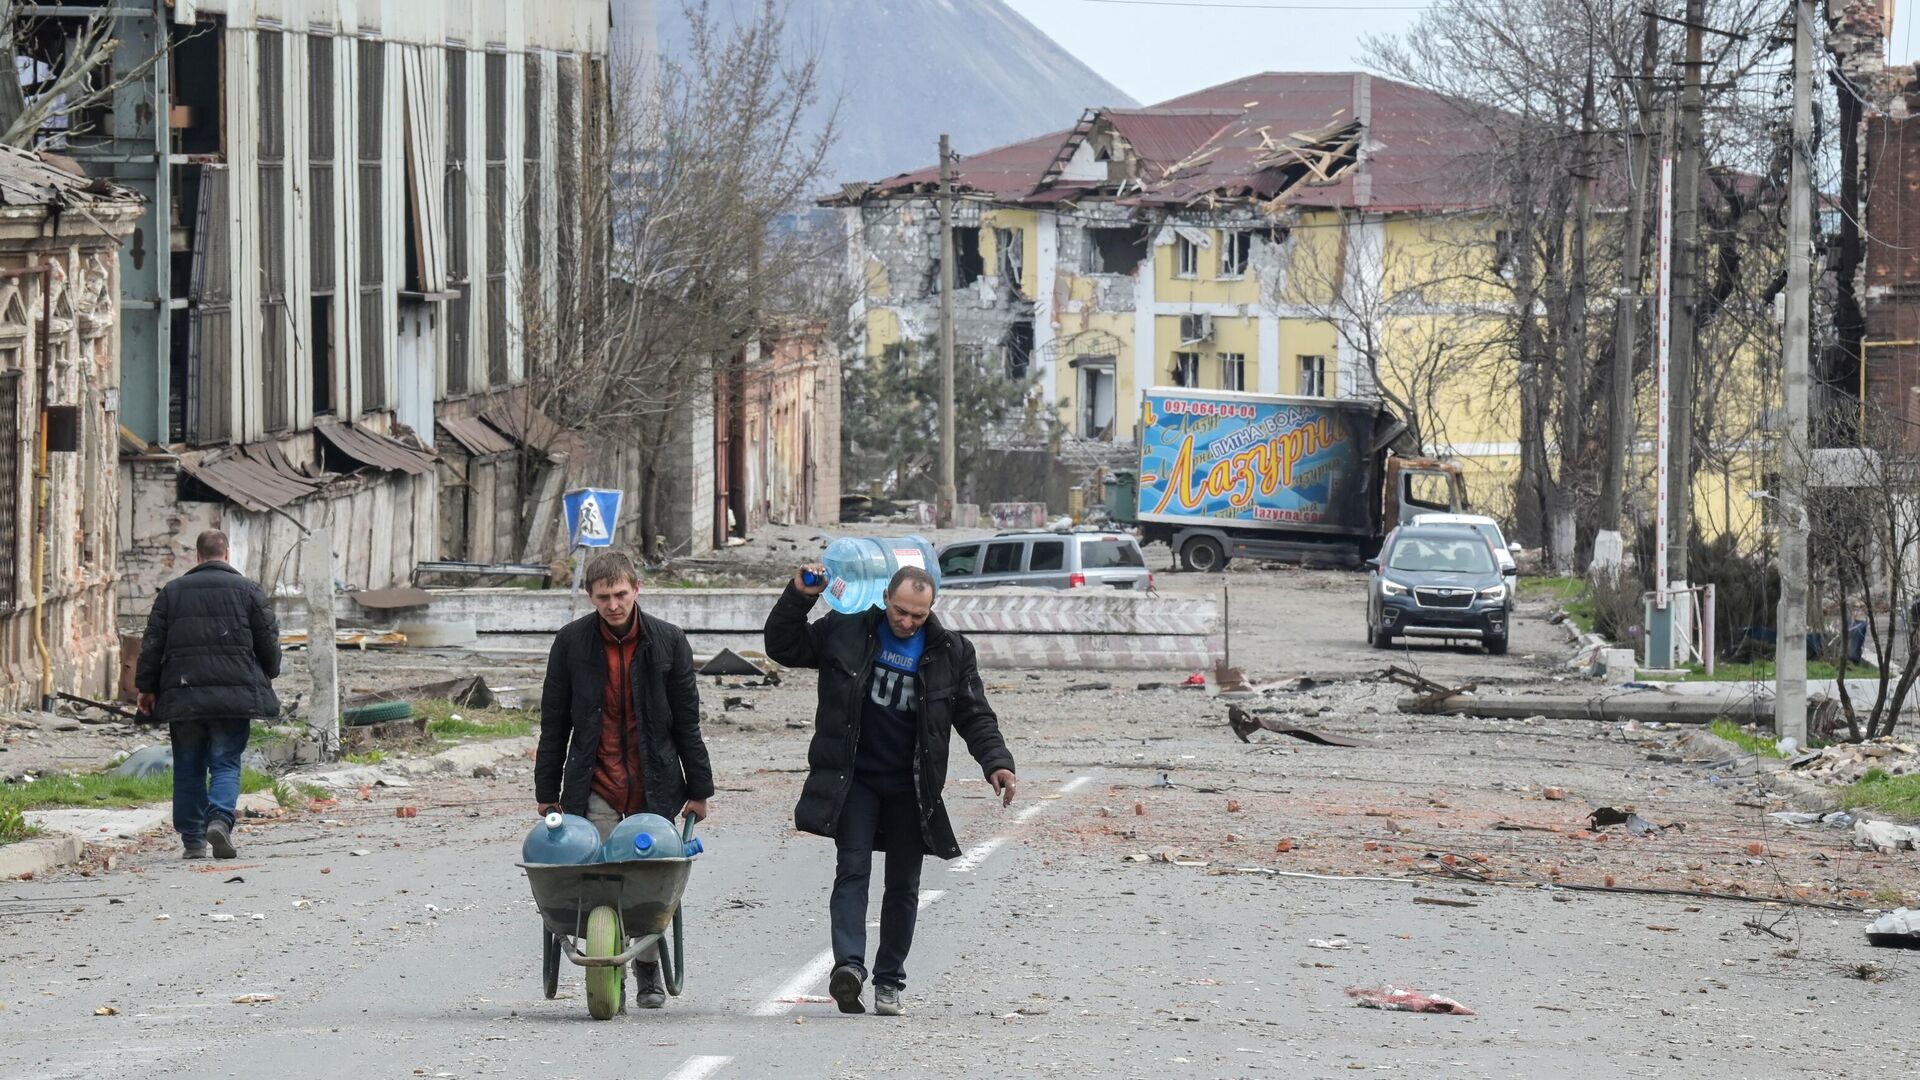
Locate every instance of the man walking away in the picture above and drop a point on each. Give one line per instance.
(894, 685)
(620, 723)
(207, 665)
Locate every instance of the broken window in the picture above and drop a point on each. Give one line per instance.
(1503, 253)
(1186, 256)
(11, 379)
(1115, 250)
(1233, 371)
(1011, 244)
(374, 330)
(496, 112)
(270, 118)
(1019, 350)
(197, 71)
(1236, 248)
(459, 255)
(531, 201)
(320, 155)
(323, 353)
(1186, 369)
(205, 386)
(968, 266)
(1313, 376)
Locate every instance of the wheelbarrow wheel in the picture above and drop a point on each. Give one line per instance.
(550, 962)
(606, 986)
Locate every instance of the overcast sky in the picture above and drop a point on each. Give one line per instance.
(1158, 49)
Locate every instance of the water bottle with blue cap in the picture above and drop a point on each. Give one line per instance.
(643, 836)
(859, 568)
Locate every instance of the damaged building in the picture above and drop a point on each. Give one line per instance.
(59, 419)
(1148, 247)
(354, 211)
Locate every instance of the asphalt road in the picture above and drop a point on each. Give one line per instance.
(1047, 951)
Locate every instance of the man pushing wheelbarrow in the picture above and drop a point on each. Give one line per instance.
(620, 728)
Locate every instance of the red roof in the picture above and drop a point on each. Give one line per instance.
(1230, 139)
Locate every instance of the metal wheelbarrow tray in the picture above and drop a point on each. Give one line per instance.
(618, 910)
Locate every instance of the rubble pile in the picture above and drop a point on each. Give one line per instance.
(1844, 763)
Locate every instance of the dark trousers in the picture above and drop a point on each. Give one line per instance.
(867, 817)
(206, 773)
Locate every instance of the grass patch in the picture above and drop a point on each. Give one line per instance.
(1757, 671)
(1570, 594)
(1751, 742)
(458, 723)
(13, 826)
(104, 790)
(366, 757)
(1897, 795)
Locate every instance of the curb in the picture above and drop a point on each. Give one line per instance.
(1802, 795)
(37, 855)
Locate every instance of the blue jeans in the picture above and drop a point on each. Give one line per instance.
(867, 816)
(206, 773)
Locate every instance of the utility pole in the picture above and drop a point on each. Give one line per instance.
(1608, 546)
(1686, 271)
(948, 492)
(1790, 652)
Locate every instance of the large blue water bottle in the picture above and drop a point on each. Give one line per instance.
(859, 568)
(561, 840)
(643, 836)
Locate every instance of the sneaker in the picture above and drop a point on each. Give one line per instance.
(886, 1000)
(220, 836)
(845, 987)
(195, 851)
(648, 991)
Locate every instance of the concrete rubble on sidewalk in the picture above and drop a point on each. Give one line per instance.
(1844, 763)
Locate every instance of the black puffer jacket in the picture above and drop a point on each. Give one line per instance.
(212, 648)
(952, 698)
(666, 717)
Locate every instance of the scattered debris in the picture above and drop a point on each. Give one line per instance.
(106, 1010)
(255, 999)
(406, 811)
(1229, 680)
(1195, 680)
(1432, 694)
(1605, 816)
(1872, 971)
(1395, 999)
(1553, 794)
(146, 761)
(1440, 902)
(737, 704)
(220, 918)
(1838, 819)
(1897, 929)
(1090, 686)
(728, 662)
(1844, 763)
(1245, 723)
(1170, 856)
(1886, 837)
(484, 772)
(1329, 943)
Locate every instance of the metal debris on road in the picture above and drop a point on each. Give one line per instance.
(255, 999)
(1436, 901)
(1396, 999)
(1090, 686)
(1244, 723)
(1432, 694)
(1329, 943)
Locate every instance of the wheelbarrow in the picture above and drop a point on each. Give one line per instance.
(600, 916)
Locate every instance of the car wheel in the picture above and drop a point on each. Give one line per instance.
(1497, 646)
(1203, 554)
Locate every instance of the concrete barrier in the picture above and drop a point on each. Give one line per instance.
(1009, 627)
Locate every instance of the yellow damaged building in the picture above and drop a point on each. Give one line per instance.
(1285, 233)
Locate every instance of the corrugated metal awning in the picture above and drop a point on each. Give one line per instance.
(378, 451)
(256, 476)
(528, 425)
(476, 435)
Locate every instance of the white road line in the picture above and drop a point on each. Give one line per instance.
(812, 976)
(699, 1068)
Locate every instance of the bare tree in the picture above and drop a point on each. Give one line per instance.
(697, 228)
(62, 70)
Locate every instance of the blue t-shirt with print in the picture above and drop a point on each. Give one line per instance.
(890, 711)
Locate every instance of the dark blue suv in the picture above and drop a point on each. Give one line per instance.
(1437, 581)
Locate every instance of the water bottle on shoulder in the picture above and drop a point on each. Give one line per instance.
(859, 568)
(561, 840)
(643, 836)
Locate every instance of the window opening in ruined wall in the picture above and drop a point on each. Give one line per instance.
(322, 215)
(1012, 247)
(1236, 248)
(1313, 376)
(1188, 255)
(373, 253)
(1186, 369)
(496, 112)
(1114, 250)
(1233, 371)
(459, 251)
(271, 149)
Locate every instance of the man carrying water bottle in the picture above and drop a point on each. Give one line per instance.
(620, 723)
(894, 684)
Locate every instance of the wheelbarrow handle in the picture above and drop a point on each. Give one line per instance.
(686, 830)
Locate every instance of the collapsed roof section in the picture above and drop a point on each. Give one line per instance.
(1273, 141)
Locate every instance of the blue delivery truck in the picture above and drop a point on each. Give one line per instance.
(1227, 475)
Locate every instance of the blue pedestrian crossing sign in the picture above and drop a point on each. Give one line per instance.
(592, 514)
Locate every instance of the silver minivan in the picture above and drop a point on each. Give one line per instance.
(1046, 560)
